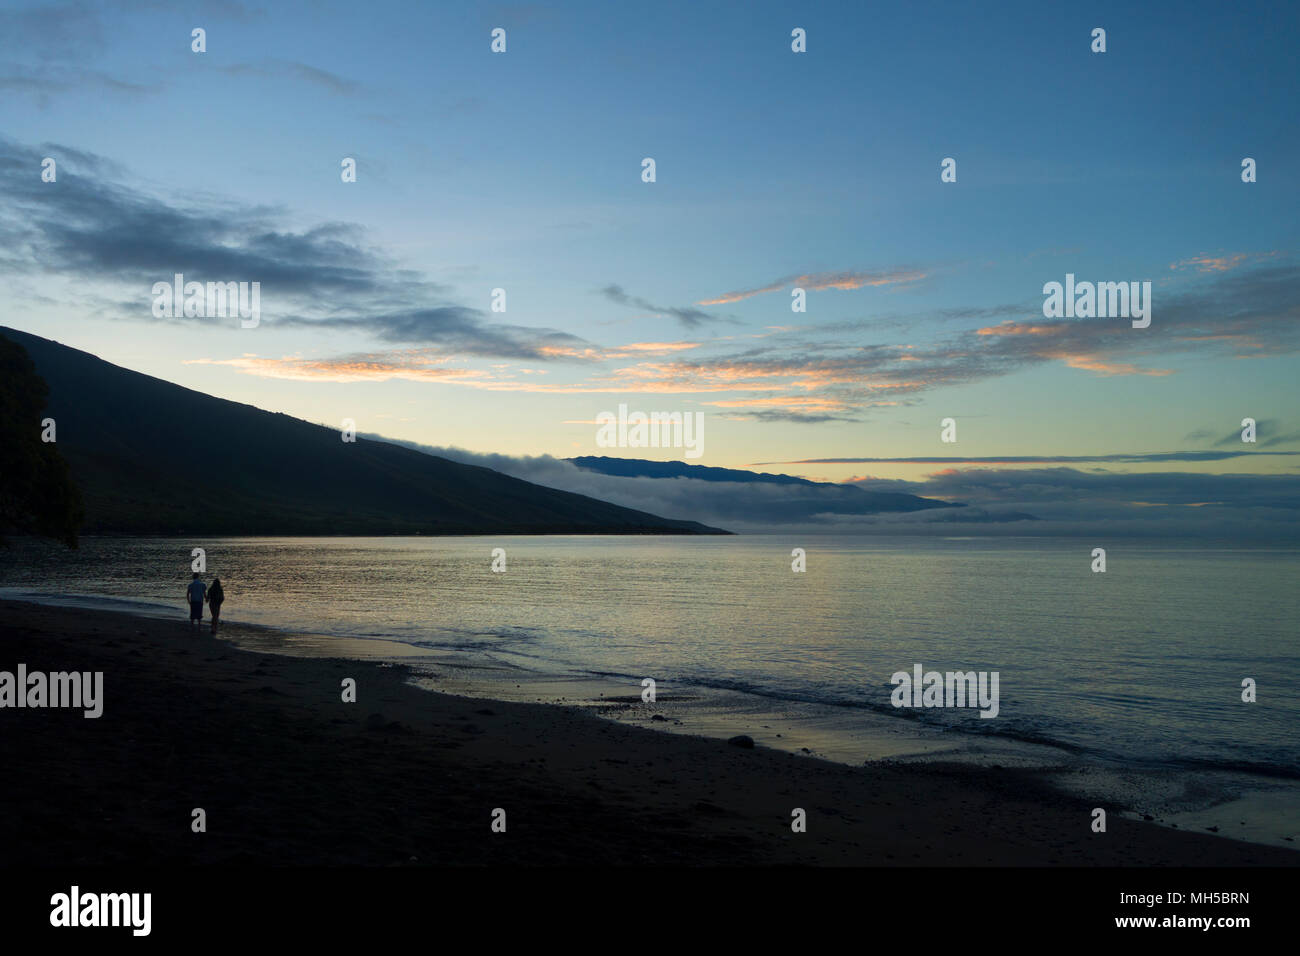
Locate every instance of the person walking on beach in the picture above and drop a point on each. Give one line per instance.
(215, 596)
(196, 591)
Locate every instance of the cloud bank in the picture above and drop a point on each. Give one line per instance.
(1063, 501)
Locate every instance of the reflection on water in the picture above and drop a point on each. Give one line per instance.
(1142, 664)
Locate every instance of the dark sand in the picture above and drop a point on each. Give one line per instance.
(289, 774)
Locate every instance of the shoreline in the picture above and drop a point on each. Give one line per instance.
(289, 774)
(1253, 806)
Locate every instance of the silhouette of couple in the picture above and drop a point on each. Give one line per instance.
(198, 593)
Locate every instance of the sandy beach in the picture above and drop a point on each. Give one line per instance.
(288, 773)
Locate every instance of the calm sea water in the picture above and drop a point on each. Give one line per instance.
(1141, 665)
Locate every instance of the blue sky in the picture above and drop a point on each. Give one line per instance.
(522, 171)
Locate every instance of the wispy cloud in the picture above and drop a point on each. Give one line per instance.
(1243, 314)
(1269, 433)
(819, 281)
(280, 69)
(629, 351)
(353, 368)
(43, 81)
(1106, 494)
(1121, 458)
(1221, 263)
(686, 315)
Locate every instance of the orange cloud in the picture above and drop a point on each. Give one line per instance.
(1220, 263)
(347, 369)
(784, 401)
(1012, 327)
(1102, 367)
(616, 352)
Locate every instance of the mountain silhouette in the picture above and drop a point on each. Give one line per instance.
(151, 457)
(804, 497)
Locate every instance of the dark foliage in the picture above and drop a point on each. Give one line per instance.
(37, 495)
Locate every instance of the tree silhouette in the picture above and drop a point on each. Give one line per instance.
(37, 495)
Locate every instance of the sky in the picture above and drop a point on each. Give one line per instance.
(522, 170)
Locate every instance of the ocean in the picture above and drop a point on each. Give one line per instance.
(1135, 674)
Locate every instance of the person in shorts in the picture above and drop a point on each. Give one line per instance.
(195, 592)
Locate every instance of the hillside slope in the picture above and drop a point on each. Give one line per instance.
(151, 457)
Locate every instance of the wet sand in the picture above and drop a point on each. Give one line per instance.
(288, 773)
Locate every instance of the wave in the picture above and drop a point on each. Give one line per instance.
(101, 602)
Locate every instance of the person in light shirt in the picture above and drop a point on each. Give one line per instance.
(195, 592)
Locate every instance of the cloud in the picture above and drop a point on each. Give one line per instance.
(735, 505)
(630, 350)
(787, 415)
(1243, 314)
(53, 31)
(1125, 458)
(429, 365)
(687, 316)
(1070, 501)
(1064, 501)
(49, 49)
(455, 328)
(1269, 433)
(1221, 263)
(293, 69)
(44, 80)
(1238, 315)
(102, 231)
(92, 225)
(818, 281)
(426, 366)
